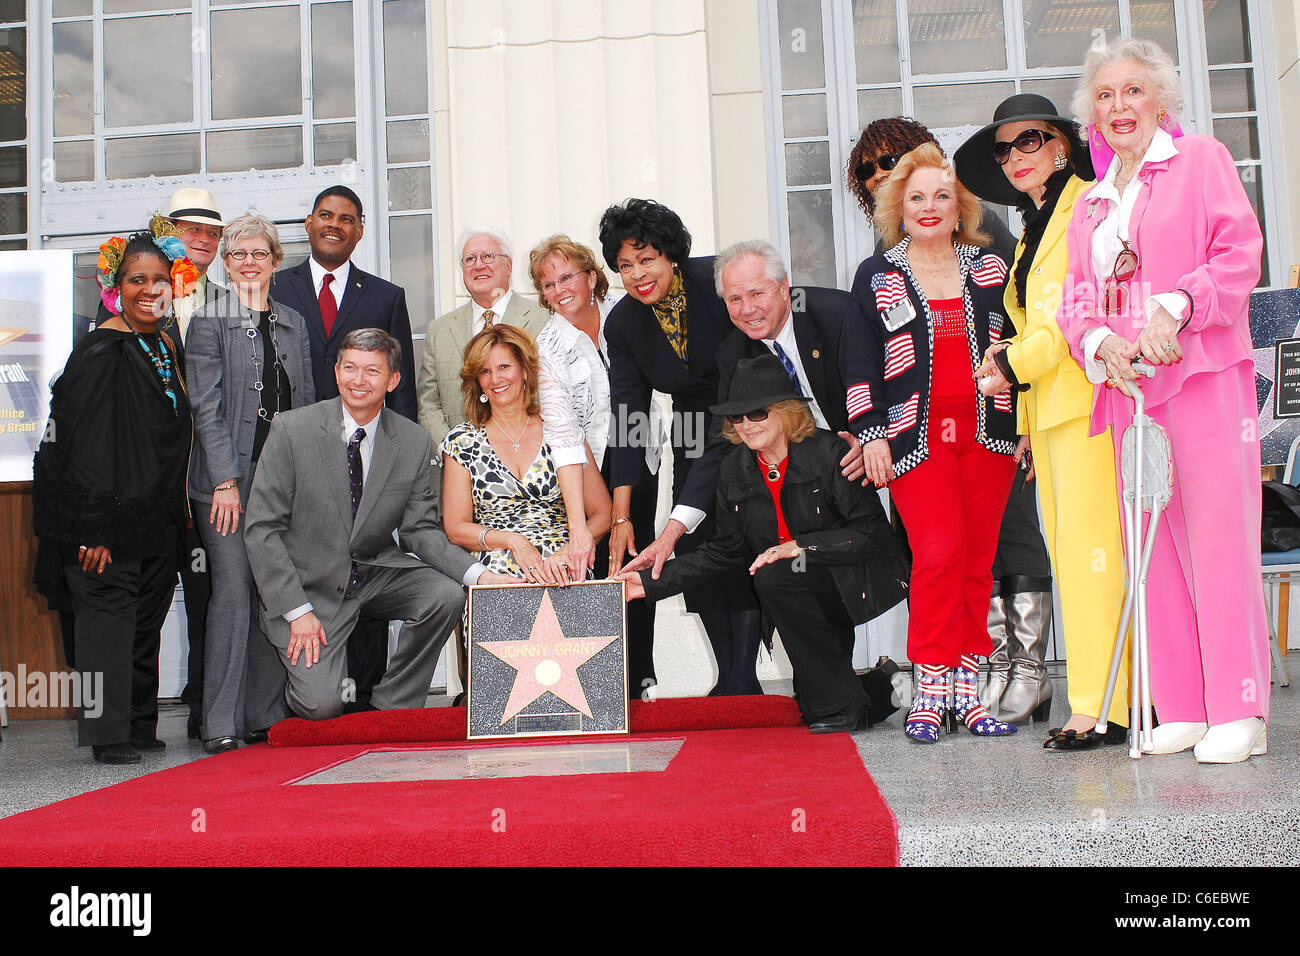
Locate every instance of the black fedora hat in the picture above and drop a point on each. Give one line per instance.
(757, 383)
(981, 174)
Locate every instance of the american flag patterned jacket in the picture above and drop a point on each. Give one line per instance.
(888, 372)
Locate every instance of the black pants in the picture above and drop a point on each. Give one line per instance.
(817, 633)
(640, 613)
(197, 585)
(119, 618)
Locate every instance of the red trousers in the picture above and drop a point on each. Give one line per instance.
(952, 505)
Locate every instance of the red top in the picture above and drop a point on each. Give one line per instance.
(782, 532)
(954, 376)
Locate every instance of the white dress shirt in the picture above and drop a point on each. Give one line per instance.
(1109, 238)
(498, 310)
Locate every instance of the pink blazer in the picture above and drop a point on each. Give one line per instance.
(1193, 229)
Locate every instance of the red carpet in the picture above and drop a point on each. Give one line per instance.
(449, 723)
(773, 795)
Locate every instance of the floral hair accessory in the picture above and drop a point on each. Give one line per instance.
(184, 274)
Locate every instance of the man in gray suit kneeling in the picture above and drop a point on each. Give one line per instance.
(335, 481)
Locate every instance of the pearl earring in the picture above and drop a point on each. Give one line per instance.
(482, 397)
(593, 297)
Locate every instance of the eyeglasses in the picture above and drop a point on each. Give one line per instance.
(867, 169)
(549, 287)
(1125, 268)
(487, 258)
(239, 255)
(1030, 141)
(759, 415)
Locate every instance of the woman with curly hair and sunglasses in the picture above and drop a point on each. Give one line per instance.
(109, 490)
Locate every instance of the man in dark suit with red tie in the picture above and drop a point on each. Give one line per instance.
(335, 297)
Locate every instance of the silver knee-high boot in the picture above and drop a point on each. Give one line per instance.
(1029, 621)
(999, 669)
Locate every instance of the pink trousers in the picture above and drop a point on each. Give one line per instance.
(1209, 637)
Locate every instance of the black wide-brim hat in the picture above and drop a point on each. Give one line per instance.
(981, 174)
(757, 383)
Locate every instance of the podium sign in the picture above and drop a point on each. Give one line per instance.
(1286, 379)
(547, 661)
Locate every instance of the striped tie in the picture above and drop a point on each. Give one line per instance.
(789, 369)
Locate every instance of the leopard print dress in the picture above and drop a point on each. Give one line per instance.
(532, 506)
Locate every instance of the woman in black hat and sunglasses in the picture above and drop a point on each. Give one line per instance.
(1032, 157)
(821, 552)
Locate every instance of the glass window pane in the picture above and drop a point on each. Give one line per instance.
(804, 115)
(1060, 90)
(1227, 31)
(256, 68)
(74, 162)
(812, 242)
(1059, 34)
(875, 41)
(406, 56)
(232, 151)
(799, 31)
(13, 245)
(74, 84)
(1154, 20)
(1240, 136)
(1232, 91)
(1250, 179)
(139, 156)
(334, 143)
(408, 141)
(13, 81)
(137, 6)
(410, 239)
(13, 166)
(956, 37)
(13, 11)
(966, 104)
(162, 93)
(410, 188)
(877, 104)
(807, 164)
(333, 80)
(72, 8)
(13, 213)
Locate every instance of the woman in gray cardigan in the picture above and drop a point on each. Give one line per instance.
(247, 358)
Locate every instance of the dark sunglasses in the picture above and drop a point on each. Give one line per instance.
(867, 169)
(758, 415)
(1125, 268)
(1030, 141)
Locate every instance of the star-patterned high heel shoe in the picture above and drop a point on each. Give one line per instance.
(930, 704)
(966, 703)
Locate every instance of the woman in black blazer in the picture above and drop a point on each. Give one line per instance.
(819, 547)
(664, 335)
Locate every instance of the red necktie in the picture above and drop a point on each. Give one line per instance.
(329, 309)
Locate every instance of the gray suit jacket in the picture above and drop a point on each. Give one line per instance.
(442, 403)
(300, 534)
(220, 376)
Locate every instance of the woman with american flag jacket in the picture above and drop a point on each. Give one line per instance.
(920, 316)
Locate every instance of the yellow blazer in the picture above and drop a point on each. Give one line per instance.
(1039, 354)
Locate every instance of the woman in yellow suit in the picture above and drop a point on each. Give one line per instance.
(1032, 157)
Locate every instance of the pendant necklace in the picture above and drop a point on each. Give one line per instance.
(514, 442)
(773, 472)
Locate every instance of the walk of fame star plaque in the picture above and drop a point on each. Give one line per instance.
(545, 660)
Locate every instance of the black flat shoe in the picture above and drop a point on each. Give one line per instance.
(841, 722)
(192, 729)
(1073, 740)
(220, 745)
(148, 743)
(257, 736)
(115, 753)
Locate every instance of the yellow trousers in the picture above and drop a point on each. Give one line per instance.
(1078, 498)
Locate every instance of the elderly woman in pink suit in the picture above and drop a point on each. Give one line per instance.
(1164, 252)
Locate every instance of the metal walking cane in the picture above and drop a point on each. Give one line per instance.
(1147, 470)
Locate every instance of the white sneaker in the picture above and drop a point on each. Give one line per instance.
(1175, 737)
(1233, 742)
